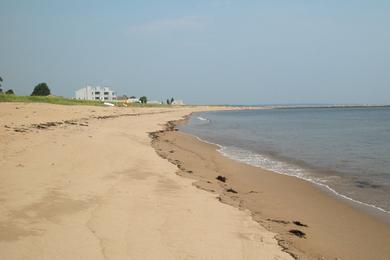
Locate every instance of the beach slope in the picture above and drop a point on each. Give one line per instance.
(85, 183)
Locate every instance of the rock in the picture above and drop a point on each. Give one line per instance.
(221, 178)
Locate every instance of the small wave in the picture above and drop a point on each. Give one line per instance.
(261, 161)
(203, 119)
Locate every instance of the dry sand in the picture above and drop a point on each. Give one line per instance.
(335, 229)
(85, 183)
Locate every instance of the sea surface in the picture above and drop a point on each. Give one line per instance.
(344, 150)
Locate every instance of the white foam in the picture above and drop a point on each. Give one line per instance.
(261, 161)
(203, 119)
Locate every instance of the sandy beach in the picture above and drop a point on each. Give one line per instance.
(81, 182)
(310, 222)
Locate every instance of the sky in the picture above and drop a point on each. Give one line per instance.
(203, 52)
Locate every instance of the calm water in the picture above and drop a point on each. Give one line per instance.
(344, 150)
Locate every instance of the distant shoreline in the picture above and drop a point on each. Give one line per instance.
(305, 106)
(332, 106)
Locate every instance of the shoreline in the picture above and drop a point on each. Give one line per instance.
(365, 207)
(176, 142)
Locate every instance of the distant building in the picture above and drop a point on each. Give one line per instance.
(133, 100)
(96, 93)
(178, 103)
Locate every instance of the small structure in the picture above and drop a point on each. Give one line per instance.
(178, 103)
(96, 93)
(133, 100)
(109, 104)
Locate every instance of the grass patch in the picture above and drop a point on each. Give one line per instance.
(68, 101)
(48, 99)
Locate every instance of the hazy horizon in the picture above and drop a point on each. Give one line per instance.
(203, 52)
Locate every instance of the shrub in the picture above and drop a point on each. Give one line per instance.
(41, 90)
(1, 80)
(143, 99)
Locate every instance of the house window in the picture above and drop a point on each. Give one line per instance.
(105, 98)
(96, 98)
(105, 93)
(97, 93)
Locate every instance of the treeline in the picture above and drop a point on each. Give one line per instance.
(8, 92)
(42, 89)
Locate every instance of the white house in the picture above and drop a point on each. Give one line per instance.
(96, 93)
(178, 103)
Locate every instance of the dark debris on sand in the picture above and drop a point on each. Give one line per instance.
(221, 178)
(297, 233)
(298, 223)
(231, 190)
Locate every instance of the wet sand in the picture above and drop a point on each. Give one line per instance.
(81, 182)
(325, 227)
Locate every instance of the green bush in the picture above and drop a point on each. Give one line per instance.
(1, 80)
(143, 100)
(41, 90)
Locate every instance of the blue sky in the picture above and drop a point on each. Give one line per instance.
(236, 52)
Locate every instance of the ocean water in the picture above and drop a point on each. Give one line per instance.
(345, 150)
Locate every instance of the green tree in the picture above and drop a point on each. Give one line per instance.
(10, 92)
(143, 99)
(1, 81)
(41, 90)
(172, 99)
(168, 102)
